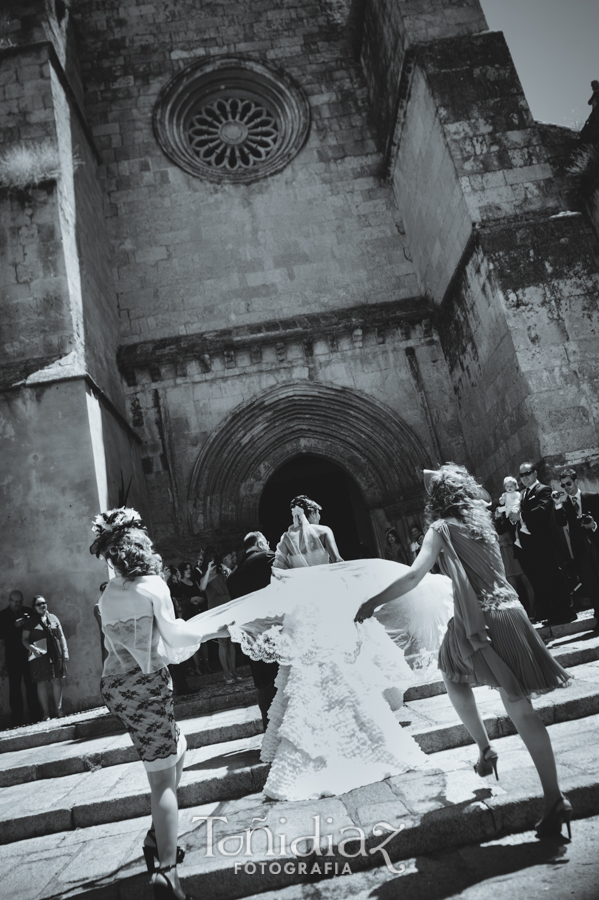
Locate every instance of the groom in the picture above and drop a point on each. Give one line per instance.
(253, 574)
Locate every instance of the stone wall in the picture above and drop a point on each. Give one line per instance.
(483, 192)
(48, 499)
(64, 456)
(430, 198)
(190, 254)
(400, 366)
(389, 28)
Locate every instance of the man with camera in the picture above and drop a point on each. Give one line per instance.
(538, 549)
(578, 512)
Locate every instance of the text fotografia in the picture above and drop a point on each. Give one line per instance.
(316, 844)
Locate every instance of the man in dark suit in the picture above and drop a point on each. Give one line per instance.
(538, 550)
(253, 574)
(12, 621)
(578, 513)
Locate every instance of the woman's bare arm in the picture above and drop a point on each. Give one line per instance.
(28, 645)
(330, 543)
(423, 563)
(281, 555)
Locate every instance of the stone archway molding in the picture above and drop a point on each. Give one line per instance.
(367, 438)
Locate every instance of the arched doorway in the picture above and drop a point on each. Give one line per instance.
(343, 507)
(379, 452)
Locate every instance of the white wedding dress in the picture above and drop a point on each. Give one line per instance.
(331, 725)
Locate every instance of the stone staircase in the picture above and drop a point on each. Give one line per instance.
(74, 800)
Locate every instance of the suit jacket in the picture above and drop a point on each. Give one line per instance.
(582, 540)
(252, 573)
(538, 513)
(12, 634)
(536, 509)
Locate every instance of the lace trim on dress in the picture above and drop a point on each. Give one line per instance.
(270, 646)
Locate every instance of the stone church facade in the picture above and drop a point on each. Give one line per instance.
(270, 232)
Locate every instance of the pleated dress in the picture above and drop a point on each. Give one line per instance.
(490, 640)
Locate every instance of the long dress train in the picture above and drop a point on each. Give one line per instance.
(331, 726)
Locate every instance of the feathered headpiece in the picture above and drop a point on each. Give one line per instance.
(108, 524)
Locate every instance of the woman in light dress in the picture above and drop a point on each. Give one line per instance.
(489, 640)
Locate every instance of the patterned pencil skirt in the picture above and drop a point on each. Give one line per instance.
(144, 704)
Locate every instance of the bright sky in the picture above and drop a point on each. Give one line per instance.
(555, 46)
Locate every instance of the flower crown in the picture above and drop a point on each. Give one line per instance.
(116, 520)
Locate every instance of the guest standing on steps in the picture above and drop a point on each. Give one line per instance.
(537, 549)
(578, 512)
(44, 638)
(214, 584)
(253, 573)
(490, 639)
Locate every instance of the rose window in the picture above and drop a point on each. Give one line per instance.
(231, 120)
(233, 133)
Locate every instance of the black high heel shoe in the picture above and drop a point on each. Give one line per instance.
(163, 889)
(150, 851)
(551, 824)
(487, 763)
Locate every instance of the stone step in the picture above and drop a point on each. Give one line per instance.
(211, 694)
(75, 755)
(71, 757)
(219, 772)
(209, 697)
(441, 807)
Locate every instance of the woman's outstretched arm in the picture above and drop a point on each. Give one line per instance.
(423, 563)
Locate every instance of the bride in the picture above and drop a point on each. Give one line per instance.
(331, 725)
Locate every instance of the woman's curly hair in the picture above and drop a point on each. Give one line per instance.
(123, 541)
(454, 493)
(306, 504)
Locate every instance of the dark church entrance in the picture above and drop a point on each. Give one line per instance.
(343, 507)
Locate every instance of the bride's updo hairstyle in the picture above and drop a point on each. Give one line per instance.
(122, 539)
(454, 493)
(308, 506)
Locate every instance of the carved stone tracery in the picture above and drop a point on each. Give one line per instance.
(231, 119)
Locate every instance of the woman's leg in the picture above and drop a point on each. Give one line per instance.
(462, 700)
(165, 814)
(42, 696)
(204, 656)
(231, 650)
(536, 739)
(57, 692)
(223, 652)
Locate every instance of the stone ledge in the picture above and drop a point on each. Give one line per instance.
(177, 349)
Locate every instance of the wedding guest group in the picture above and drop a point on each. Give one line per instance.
(537, 546)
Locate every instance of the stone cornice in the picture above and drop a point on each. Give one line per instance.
(178, 349)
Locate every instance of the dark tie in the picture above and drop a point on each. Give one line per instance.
(574, 502)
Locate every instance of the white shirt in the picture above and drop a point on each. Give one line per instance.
(140, 628)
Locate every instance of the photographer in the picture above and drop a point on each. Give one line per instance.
(578, 513)
(538, 549)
